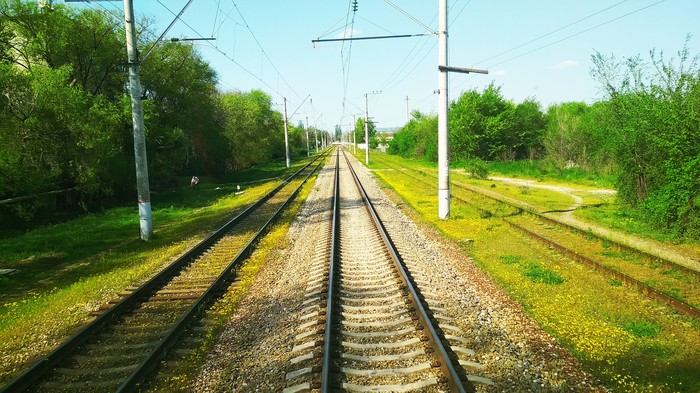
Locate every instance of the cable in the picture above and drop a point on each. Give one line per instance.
(460, 11)
(263, 50)
(552, 32)
(406, 61)
(410, 17)
(331, 30)
(579, 33)
(372, 23)
(209, 44)
(343, 61)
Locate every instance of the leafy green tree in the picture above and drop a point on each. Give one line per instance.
(254, 131)
(652, 115)
(182, 114)
(417, 139)
(528, 124)
(360, 130)
(486, 126)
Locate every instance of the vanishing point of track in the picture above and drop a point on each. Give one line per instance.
(122, 347)
(367, 326)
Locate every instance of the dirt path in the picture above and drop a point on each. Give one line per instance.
(682, 257)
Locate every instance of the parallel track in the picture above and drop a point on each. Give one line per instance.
(119, 349)
(379, 334)
(644, 288)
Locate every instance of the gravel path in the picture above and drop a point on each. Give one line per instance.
(253, 353)
(685, 258)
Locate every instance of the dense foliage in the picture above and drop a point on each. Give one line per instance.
(360, 132)
(65, 115)
(652, 117)
(646, 132)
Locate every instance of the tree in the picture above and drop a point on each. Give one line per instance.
(182, 114)
(253, 130)
(486, 126)
(360, 130)
(652, 115)
(417, 139)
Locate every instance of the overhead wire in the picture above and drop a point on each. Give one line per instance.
(209, 44)
(263, 50)
(460, 11)
(579, 33)
(333, 29)
(552, 32)
(411, 17)
(345, 63)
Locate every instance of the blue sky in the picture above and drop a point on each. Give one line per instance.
(532, 48)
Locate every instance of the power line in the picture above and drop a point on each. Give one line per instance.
(410, 17)
(223, 53)
(577, 34)
(460, 11)
(352, 6)
(333, 29)
(552, 32)
(263, 50)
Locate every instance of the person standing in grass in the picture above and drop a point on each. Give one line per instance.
(194, 183)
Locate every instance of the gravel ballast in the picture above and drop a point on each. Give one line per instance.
(253, 352)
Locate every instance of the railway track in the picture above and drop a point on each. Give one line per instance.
(652, 282)
(367, 326)
(124, 345)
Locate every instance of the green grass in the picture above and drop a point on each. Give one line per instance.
(538, 273)
(642, 328)
(67, 270)
(630, 342)
(541, 171)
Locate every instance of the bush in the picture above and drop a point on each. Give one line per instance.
(477, 169)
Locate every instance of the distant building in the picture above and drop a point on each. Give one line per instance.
(385, 134)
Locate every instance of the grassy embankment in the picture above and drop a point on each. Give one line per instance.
(628, 341)
(601, 209)
(67, 270)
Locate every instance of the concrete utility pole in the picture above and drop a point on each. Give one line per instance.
(443, 126)
(443, 149)
(354, 138)
(354, 142)
(142, 187)
(286, 134)
(308, 153)
(367, 126)
(408, 117)
(366, 131)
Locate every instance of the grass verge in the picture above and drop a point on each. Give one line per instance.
(68, 270)
(631, 343)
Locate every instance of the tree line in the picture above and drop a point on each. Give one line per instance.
(645, 132)
(65, 115)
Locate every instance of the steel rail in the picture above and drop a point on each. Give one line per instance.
(51, 360)
(645, 289)
(327, 342)
(151, 362)
(529, 210)
(642, 287)
(453, 379)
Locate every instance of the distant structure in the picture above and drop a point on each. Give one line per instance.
(387, 134)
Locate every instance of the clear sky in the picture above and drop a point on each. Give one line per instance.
(532, 48)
